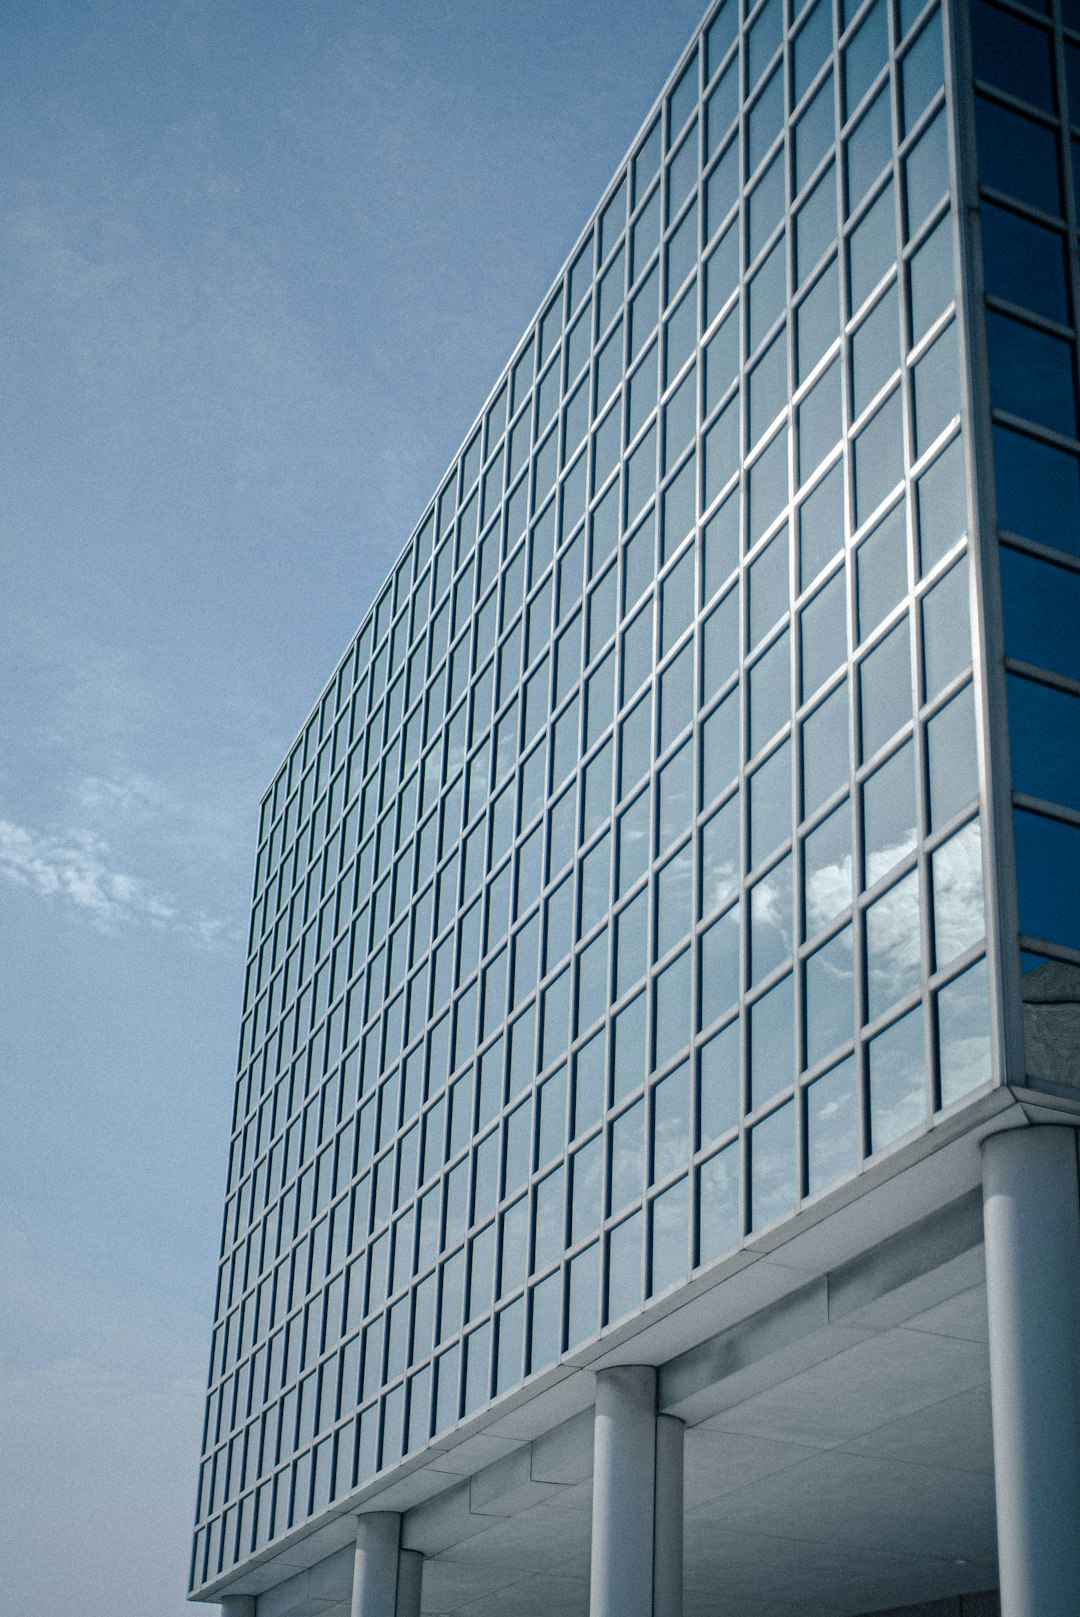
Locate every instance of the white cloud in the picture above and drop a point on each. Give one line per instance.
(130, 795)
(76, 870)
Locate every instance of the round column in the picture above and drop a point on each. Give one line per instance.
(637, 1499)
(238, 1606)
(375, 1569)
(668, 1518)
(1031, 1216)
(410, 1583)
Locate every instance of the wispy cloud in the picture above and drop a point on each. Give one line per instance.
(77, 870)
(126, 795)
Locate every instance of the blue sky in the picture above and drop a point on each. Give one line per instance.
(259, 266)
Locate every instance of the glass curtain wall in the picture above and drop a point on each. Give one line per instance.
(625, 890)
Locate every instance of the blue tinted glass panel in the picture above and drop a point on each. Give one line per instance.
(1042, 612)
(1013, 55)
(1038, 490)
(1018, 156)
(1044, 741)
(1048, 878)
(1024, 262)
(1031, 373)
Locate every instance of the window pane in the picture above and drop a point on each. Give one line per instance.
(879, 457)
(1031, 373)
(1018, 156)
(889, 814)
(931, 278)
(885, 688)
(954, 770)
(671, 1123)
(719, 1217)
(942, 505)
(770, 920)
(1038, 490)
(718, 1092)
(823, 633)
(770, 804)
(937, 389)
(963, 1033)
(830, 997)
(926, 173)
(875, 350)
(767, 581)
(1048, 877)
(826, 749)
(897, 1080)
(670, 1216)
(831, 1126)
(821, 525)
(1014, 55)
(673, 1018)
(827, 869)
(881, 571)
(872, 247)
(1042, 611)
(770, 693)
(1024, 262)
(772, 1166)
(958, 894)
(772, 1048)
(893, 954)
(1044, 740)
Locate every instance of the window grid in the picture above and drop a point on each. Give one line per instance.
(317, 1032)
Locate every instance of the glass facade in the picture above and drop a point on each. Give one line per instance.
(1027, 88)
(625, 890)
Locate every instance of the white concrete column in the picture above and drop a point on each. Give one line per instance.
(410, 1581)
(238, 1606)
(1031, 1215)
(386, 1578)
(668, 1518)
(375, 1569)
(637, 1525)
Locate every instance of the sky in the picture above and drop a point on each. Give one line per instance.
(260, 265)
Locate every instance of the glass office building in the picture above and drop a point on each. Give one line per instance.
(677, 887)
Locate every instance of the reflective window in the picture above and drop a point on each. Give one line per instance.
(890, 820)
(1042, 611)
(885, 688)
(1031, 373)
(953, 760)
(1018, 156)
(893, 960)
(772, 1179)
(1048, 877)
(963, 1033)
(831, 1126)
(829, 997)
(1013, 55)
(1044, 741)
(897, 1080)
(1024, 262)
(1038, 490)
(959, 921)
